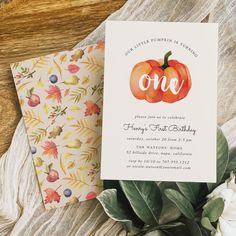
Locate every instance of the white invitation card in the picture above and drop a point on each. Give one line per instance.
(160, 101)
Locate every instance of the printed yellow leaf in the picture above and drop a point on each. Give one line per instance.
(71, 165)
(69, 118)
(75, 144)
(89, 154)
(67, 135)
(62, 166)
(75, 109)
(97, 140)
(21, 101)
(85, 80)
(83, 127)
(83, 168)
(67, 155)
(31, 119)
(15, 65)
(73, 80)
(37, 135)
(40, 62)
(57, 67)
(38, 172)
(75, 180)
(40, 83)
(22, 86)
(63, 58)
(50, 70)
(93, 64)
(45, 108)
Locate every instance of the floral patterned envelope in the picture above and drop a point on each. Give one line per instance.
(61, 100)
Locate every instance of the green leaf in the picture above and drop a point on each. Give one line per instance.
(222, 158)
(114, 184)
(207, 224)
(190, 191)
(232, 161)
(181, 202)
(145, 199)
(170, 225)
(108, 199)
(213, 209)
(228, 129)
(155, 233)
(194, 228)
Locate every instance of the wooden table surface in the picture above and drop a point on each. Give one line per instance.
(30, 28)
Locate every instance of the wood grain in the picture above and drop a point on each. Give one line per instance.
(30, 28)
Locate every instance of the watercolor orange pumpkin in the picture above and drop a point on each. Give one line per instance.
(160, 80)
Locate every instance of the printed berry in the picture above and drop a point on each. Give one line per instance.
(67, 192)
(33, 150)
(53, 79)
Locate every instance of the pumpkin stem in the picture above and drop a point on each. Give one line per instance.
(165, 65)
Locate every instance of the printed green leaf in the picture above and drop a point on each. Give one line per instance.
(213, 209)
(108, 199)
(145, 199)
(222, 158)
(181, 202)
(190, 191)
(207, 224)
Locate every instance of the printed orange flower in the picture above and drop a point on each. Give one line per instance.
(91, 108)
(51, 195)
(90, 48)
(100, 44)
(66, 92)
(54, 93)
(89, 140)
(50, 149)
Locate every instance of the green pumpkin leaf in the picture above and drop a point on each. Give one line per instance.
(207, 224)
(222, 158)
(181, 202)
(213, 209)
(190, 191)
(145, 199)
(108, 199)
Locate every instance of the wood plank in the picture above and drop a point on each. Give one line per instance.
(30, 28)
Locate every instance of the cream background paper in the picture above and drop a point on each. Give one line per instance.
(198, 108)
